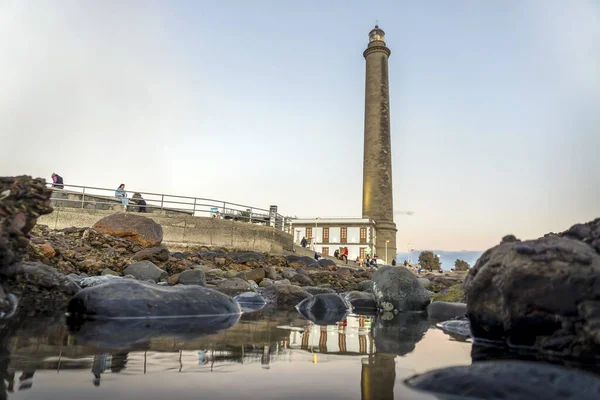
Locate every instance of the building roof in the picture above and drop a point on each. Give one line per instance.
(333, 220)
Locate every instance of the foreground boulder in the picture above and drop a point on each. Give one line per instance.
(397, 289)
(132, 227)
(498, 380)
(540, 293)
(361, 301)
(284, 295)
(130, 298)
(145, 271)
(192, 277)
(324, 309)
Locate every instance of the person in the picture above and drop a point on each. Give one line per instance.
(346, 254)
(441, 271)
(316, 256)
(57, 181)
(139, 201)
(394, 262)
(120, 193)
(303, 242)
(336, 254)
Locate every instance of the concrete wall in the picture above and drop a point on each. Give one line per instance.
(187, 231)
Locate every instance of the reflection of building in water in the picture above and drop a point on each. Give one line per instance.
(378, 375)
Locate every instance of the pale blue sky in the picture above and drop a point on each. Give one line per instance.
(494, 106)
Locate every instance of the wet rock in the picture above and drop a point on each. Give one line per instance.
(426, 283)
(252, 284)
(443, 311)
(545, 297)
(132, 227)
(326, 263)
(318, 290)
(129, 298)
(460, 327)
(250, 301)
(233, 286)
(397, 289)
(284, 295)
(97, 280)
(145, 270)
(302, 279)
(192, 277)
(398, 333)
(366, 286)
(361, 301)
(265, 283)
(301, 261)
(499, 380)
(108, 271)
(154, 254)
(255, 275)
(324, 309)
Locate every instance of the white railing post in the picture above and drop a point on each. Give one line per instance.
(83, 198)
(194, 211)
(250, 217)
(162, 201)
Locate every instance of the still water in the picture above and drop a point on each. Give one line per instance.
(274, 356)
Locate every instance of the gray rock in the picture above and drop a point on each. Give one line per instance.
(361, 301)
(265, 283)
(250, 301)
(145, 270)
(252, 284)
(108, 271)
(301, 261)
(460, 327)
(75, 279)
(325, 262)
(234, 286)
(318, 290)
(158, 253)
(283, 282)
(500, 380)
(129, 277)
(443, 311)
(302, 279)
(246, 257)
(289, 273)
(204, 268)
(216, 272)
(397, 289)
(192, 277)
(426, 283)
(130, 298)
(284, 295)
(231, 273)
(97, 280)
(324, 309)
(366, 286)
(271, 273)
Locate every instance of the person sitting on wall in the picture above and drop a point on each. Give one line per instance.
(317, 256)
(57, 181)
(394, 262)
(303, 242)
(140, 202)
(336, 254)
(120, 193)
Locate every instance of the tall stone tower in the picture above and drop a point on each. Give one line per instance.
(377, 164)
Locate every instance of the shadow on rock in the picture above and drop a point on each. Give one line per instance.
(129, 333)
(398, 334)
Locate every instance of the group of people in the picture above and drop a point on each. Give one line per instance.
(137, 199)
(341, 255)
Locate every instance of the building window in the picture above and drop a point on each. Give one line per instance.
(363, 235)
(325, 235)
(309, 235)
(362, 253)
(325, 251)
(344, 235)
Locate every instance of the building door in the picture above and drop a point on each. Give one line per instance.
(325, 235)
(343, 235)
(309, 235)
(362, 253)
(363, 235)
(325, 251)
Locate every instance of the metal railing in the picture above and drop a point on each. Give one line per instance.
(88, 197)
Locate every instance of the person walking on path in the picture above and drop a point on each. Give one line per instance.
(303, 242)
(57, 181)
(345, 255)
(120, 193)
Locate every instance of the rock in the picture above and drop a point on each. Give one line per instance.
(397, 289)
(250, 301)
(271, 273)
(426, 283)
(173, 280)
(128, 277)
(539, 293)
(204, 268)
(361, 301)
(255, 275)
(318, 290)
(233, 286)
(324, 309)
(247, 257)
(289, 273)
(496, 380)
(129, 298)
(192, 277)
(154, 254)
(301, 261)
(97, 280)
(145, 270)
(366, 286)
(220, 260)
(284, 295)
(265, 283)
(456, 327)
(398, 333)
(344, 273)
(326, 263)
(443, 311)
(283, 282)
(230, 274)
(302, 280)
(108, 271)
(178, 255)
(441, 282)
(46, 250)
(132, 227)
(454, 294)
(253, 284)
(218, 272)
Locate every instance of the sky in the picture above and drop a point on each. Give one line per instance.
(494, 106)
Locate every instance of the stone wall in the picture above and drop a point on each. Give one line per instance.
(187, 231)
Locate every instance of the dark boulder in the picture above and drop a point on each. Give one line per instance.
(326, 263)
(154, 254)
(130, 298)
(250, 301)
(324, 309)
(192, 277)
(284, 295)
(145, 271)
(398, 333)
(443, 311)
(301, 261)
(397, 289)
(318, 290)
(361, 301)
(246, 257)
(539, 293)
(366, 286)
(457, 328)
(500, 380)
(302, 279)
(132, 227)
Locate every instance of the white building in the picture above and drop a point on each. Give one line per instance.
(325, 235)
